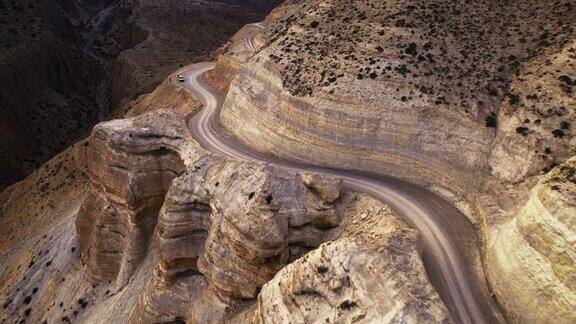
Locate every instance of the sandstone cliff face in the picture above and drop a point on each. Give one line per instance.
(235, 242)
(128, 181)
(394, 87)
(531, 258)
(354, 278)
(169, 232)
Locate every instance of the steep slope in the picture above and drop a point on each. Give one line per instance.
(472, 100)
(532, 256)
(350, 278)
(70, 63)
(393, 85)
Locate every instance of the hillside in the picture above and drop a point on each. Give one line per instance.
(68, 64)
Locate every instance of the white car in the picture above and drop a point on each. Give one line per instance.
(180, 78)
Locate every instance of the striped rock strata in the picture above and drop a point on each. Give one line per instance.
(531, 258)
(210, 232)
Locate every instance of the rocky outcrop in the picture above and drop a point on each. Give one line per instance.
(531, 259)
(355, 277)
(271, 220)
(234, 225)
(130, 169)
(238, 243)
(223, 229)
(377, 87)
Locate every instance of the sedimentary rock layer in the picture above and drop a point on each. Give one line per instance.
(225, 229)
(129, 172)
(235, 224)
(531, 258)
(476, 114)
(355, 277)
(400, 88)
(536, 123)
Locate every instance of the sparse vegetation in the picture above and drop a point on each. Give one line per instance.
(522, 130)
(490, 120)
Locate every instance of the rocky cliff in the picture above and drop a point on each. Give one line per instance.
(397, 86)
(531, 258)
(168, 231)
(472, 100)
(350, 279)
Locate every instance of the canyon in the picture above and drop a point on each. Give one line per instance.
(375, 161)
(76, 63)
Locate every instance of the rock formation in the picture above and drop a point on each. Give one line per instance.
(354, 278)
(375, 85)
(531, 257)
(236, 224)
(400, 88)
(225, 227)
(129, 174)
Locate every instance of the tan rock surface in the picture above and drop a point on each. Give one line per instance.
(374, 85)
(531, 258)
(446, 107)
(354, 278)
(225, 228)
(130, 169)
(402, 89)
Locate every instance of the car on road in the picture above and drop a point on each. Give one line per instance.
(180, 78)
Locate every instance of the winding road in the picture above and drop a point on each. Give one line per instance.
(450, 250)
